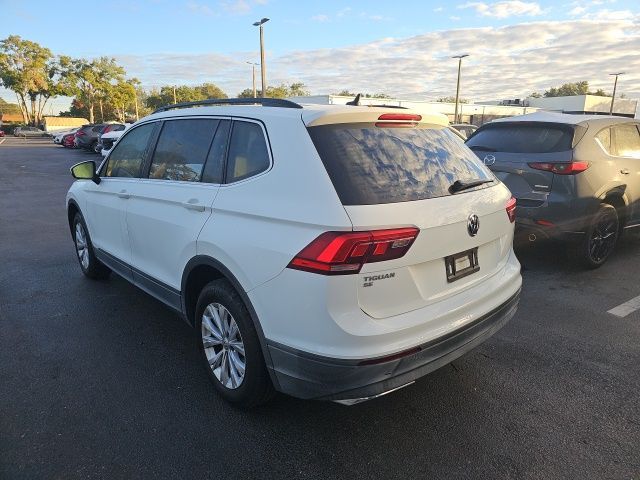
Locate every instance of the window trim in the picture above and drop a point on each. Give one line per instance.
(267, 143)
(599, 143)
(145, 155)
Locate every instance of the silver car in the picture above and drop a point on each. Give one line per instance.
(29, 132)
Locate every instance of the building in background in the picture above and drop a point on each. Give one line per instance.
(59, 124)
(575, 104)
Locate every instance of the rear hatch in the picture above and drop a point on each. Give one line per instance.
(508, 149)
(391, 175)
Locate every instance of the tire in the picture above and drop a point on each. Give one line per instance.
(90, 265)
(219, 308)
(600, 239)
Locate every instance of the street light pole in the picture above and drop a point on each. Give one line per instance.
(263, 70)
(459, 57)
(615, 85)
(253, 75)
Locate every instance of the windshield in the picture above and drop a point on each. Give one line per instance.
(369, 164)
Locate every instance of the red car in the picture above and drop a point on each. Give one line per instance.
(67, 140)
(1, 134)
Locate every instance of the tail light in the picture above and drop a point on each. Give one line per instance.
(343, 253)
(511, 209)
(566, 168)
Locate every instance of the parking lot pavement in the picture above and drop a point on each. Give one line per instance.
(98, 380)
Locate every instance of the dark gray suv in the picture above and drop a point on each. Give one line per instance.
(575, 177)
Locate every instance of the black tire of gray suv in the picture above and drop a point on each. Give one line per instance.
(94, 269)
(256, 387)
(600, 238)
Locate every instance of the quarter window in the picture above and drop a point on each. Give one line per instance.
(248, 154)
(182, 149)
(128, 155)
(627, 140)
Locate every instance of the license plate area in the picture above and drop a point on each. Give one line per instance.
(459, 265)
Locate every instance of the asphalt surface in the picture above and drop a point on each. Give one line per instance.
(99, 380)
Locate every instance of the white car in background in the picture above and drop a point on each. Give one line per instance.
(59, 136)
(108, 139)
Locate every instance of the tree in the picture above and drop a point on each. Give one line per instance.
(183, 93)
(30, 71)
(296, 89)
(451, 100)
(536, 95)
(6, 107)
(91, 81)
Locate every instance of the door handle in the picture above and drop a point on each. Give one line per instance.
(123, 194)
(624, 171)
(192, 204)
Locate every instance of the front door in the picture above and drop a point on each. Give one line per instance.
(107, 202)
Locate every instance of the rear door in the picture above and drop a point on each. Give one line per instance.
(392, 177)
(170, 206)
(508, 147)
(625, 142)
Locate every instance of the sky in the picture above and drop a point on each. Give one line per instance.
(401, 48)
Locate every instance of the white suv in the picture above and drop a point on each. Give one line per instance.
(328, 252)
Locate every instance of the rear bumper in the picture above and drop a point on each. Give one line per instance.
(309, 376)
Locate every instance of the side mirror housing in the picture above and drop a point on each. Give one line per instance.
(85, 171)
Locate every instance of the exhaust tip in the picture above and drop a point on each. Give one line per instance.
(532, 237)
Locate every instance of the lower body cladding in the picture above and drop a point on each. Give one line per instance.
(310, 376)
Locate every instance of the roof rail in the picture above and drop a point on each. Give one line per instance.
(265, 102)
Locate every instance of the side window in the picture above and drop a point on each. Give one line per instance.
(127, 157)
(214, 168)
(248, 154)
(182, 149)
(627, 140)
(604, 137)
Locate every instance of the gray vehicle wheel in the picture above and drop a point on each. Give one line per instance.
(600, 239)
(229, 346)
(90, 265)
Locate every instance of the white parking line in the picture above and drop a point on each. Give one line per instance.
(2, 141)
(626, 308)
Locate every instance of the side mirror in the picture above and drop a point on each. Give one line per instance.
(85, 171)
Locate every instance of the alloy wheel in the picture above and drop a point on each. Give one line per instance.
(603, 238)
(223, 345)
(82, 249)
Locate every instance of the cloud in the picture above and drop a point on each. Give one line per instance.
(454, 18)
(200, 9)
(236, 7)
(438, 9)
(320, 18)
(504, 9)
(504, 62)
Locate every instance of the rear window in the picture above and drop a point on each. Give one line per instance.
(520, 137)
(372, 165)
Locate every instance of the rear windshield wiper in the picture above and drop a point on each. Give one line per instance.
(459, 186)
(483, 148)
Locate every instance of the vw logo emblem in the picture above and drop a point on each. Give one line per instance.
(473, 225)
(489, 160)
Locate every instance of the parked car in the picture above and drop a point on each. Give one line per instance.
(328, 252)
(29, 132)
(106, 140)
(465, 129)
(59, 136)
(68, 140)
(87, 136)
(576, 178)
(1, 134)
